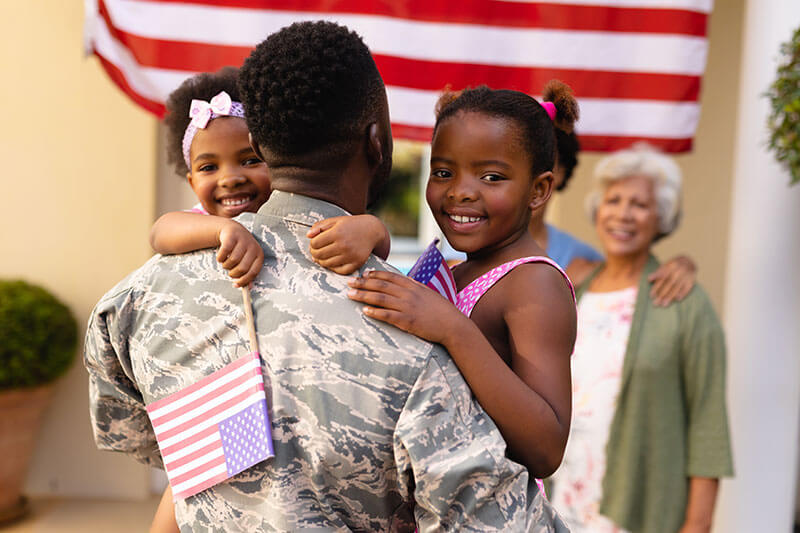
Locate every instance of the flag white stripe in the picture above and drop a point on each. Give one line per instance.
(702, 6)
(643, 118)
(208, 389)
(191, 465)
(208, 474)
(138, 78)
(250, 400)
(211, 403)
(439, 288)
(191, 448)
(414, 107)
(432, 41)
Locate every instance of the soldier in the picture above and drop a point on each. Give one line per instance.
(373, 429)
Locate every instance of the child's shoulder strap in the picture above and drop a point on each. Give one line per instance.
(469, 295)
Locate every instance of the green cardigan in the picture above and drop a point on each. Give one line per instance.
(671, 421)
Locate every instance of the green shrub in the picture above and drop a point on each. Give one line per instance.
(38, 336)
(784, 117)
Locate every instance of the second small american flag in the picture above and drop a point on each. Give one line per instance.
(431, 269)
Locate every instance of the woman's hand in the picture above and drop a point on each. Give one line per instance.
(406, 304)
(239, 253)
(673, 281)
(343, 244)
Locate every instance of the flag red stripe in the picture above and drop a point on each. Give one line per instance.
(591, 143)
(430, 75)
(207, 414)
(446, 283)
(194, 455)
(200, 487)
(508, 14)
(188, 441)
(211, 394)
(227, 369)
(199, 470)
(605, 143)
(411, 133)
(435, 76)
(116, 75)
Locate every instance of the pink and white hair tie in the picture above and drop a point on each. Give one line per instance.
(203, 112)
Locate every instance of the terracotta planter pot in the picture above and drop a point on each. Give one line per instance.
(21, 413)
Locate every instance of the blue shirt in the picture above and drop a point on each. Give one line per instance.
(563, 247)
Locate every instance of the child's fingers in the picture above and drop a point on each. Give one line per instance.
(344, 269)
(323, 239)
(321, 226)
(373, 284)
(245, 279)
(330, 263)
(375, 299)
(328, 251)
(392, 277)
(225, 249)
(234, 258)
(389, 316)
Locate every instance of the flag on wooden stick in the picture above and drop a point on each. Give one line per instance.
(217, 427)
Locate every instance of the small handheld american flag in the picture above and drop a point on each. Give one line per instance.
(431, 269)
(217, 427)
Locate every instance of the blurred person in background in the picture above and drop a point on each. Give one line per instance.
(670, 282)
(649, 438)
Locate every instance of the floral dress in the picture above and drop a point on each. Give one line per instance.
(604, 324)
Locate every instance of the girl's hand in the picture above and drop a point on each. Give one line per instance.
(406, 304)
(343, 244)
(673, 281)
(239, 253)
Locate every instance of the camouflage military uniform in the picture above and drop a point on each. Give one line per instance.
(373, 429)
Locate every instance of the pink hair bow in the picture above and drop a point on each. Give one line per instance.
(201, 111)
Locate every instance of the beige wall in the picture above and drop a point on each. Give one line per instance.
(78, 200)
(703, 233)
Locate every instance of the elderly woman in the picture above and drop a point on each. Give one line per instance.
(649, 438)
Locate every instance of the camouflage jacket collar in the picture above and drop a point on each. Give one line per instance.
(300, 209)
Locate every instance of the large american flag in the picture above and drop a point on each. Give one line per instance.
(635, 65)
(215, 428)
(432, 270)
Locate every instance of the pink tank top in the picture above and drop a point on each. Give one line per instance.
(469, 295)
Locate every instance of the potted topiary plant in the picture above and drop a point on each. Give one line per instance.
(784, 117)
(38, 337)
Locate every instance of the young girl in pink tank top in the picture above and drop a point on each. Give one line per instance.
(513, 332)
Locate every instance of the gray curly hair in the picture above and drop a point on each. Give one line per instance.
(641, 160)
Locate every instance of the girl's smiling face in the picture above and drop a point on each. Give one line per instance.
(480, 190)
(225, 173)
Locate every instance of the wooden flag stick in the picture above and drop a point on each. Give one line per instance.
(251, 324)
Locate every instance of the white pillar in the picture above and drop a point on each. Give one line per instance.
(762, 297)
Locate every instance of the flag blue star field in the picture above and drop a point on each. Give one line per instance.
(431, 269)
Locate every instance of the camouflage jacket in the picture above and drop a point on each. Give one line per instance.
(373, 428)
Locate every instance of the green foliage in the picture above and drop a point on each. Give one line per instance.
(38, 336)
(784, 118)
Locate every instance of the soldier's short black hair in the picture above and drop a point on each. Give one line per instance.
(310, 86)
(200, 87)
